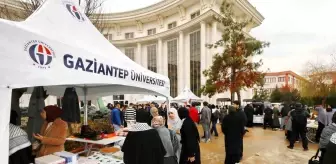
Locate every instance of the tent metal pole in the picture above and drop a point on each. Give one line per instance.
(85, 107)
(168, 107)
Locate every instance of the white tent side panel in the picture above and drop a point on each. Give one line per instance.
(5, 97)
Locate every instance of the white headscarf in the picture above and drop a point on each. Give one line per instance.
(176, 122)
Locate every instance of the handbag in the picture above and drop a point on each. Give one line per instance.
(313, 159)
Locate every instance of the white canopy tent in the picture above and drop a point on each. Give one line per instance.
(186, 95)
(150, 98)
(58, 47)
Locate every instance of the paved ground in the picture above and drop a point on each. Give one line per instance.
(260, 147)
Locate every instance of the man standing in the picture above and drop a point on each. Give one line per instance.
(322, 120)
(268, 120)
(284, 115)
(299, 126)
(116, 117)
(243, 118)
(130, 115)
(205, 121)
(233, 128)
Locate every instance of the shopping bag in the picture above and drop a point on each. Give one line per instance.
(313, 159)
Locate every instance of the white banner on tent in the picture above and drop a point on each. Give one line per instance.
(58, 47)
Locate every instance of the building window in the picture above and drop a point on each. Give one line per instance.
(151, 57)
(195, 14)
(172, 66)
(281, 79)
(151, 31)
(108, 36)
(129, 35)
(129, 52)
(195, 62)
(171, 25)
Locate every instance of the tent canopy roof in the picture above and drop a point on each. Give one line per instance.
(59, 47)
(187, 95)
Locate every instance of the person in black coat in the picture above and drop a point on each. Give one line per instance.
(249, 111)
(190, 152)
(233, 128)
(268, 120)
(143, 116)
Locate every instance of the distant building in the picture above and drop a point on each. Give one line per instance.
(281, 79)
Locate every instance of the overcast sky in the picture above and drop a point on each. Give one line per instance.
(298, 30)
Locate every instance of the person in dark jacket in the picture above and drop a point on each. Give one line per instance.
(233, 128)
(284, 115)
(190, 152)
(249, 111)
(214, 119)
(299, 126)
(143, 116)
(329, 157)
(268, 117)
(240, 112)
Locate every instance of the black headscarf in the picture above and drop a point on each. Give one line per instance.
(183, 113)
(13, 117)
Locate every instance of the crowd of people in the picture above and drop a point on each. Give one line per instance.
(177, 129)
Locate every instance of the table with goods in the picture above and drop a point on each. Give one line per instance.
(311, 130)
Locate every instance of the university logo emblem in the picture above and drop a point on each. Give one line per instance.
(40, 53)
(74, 11)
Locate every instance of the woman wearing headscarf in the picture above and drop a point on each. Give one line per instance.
(158, 123)
(53, 131)
(175, 124)
(190, 152)
(276, 122)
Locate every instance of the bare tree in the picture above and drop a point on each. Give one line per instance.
(318, 75)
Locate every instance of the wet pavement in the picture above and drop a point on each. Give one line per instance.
(260, 147)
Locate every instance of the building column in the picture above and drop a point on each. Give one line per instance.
(213, 51)
(138, 57)
(159, 61)
(203, 52)
(181, 73)
(213, 40)
(186, 61)
(144, 57)
(203, 56)
(165, 60)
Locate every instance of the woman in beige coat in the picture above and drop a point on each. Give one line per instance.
(53, 131)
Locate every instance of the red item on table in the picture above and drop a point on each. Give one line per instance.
(193, 113)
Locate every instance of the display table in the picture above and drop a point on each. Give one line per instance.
(311, 130)
(105, 141)
(90, 143)
(104, 159)
(259, 119)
